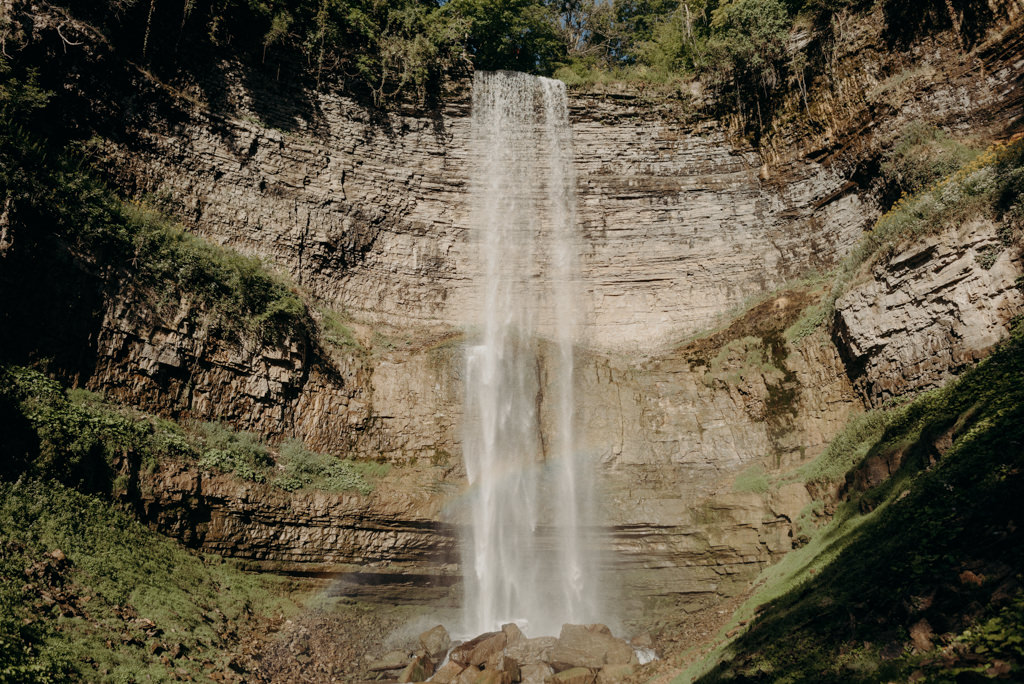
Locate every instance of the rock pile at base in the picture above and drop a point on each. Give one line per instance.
(582, 654)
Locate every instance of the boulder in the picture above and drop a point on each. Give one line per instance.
(535, 673)
(508, 667)
(395, 660)
(492, 677)
(476, 651)
(613, 674)
(589, 646)
(435, 642)
(575, 675)
(513, 635)
(470, 675)
(529, 651)
(419, 670)
(448, 673)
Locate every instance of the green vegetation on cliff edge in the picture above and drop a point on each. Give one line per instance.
(917, 577)
(748, 53)
(77, 438)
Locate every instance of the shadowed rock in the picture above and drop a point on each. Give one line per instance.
(419, 670)
(576, 675)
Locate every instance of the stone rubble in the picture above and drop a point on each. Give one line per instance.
(582, 654)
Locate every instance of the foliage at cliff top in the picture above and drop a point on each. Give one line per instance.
(390, 49)
(915, 578)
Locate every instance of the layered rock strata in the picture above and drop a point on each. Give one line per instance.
(392, 535)
(936, 305)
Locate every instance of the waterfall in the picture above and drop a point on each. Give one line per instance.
(526, 549)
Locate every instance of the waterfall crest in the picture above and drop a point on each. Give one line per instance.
(526, 555)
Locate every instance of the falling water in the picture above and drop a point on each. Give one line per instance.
(526, 553)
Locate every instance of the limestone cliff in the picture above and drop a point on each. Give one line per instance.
(680, 224)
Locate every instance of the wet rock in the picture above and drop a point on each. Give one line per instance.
(642, 641)
(475, 652)
(436, 642)
(419, 670)
(528, 651)
(591, 646)
(575, 675)
(448, 673)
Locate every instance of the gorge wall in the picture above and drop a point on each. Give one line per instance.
(681, 223)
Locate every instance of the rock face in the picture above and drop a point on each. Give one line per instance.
(167, 363)
(679, 222)
(375, 219)
(928, 311)
(392, 532)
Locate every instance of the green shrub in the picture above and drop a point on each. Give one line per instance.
(230, 451)
(921, 156)
(302, 468)
(237, 290)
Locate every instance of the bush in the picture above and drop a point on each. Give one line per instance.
(921, 156)
(302, 468)
(745, 51)
(228, 451)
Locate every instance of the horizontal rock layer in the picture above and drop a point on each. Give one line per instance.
(929, 310)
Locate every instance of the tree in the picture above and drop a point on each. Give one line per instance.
(746, 49)
(521, 35)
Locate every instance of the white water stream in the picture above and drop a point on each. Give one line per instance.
(527, 555)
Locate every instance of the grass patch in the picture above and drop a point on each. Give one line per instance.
(126, 605)
(305, 468)
(937, 542)
(752, 479)
(849, 448)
